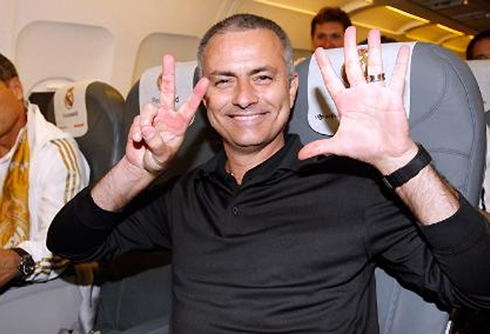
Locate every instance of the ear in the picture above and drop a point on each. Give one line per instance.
(16, 87)
(293, 89)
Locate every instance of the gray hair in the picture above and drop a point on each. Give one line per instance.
(244, 22)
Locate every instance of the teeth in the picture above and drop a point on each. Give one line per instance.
(246, 117)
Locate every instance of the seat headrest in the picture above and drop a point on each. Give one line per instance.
(93, 113)
(151, 79)
(70, 108)
(441, 98)
(322, 113)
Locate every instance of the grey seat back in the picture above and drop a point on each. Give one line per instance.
(446, 115)
(104, 141)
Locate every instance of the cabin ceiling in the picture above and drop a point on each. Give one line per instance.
(472, 14)
(449, 23)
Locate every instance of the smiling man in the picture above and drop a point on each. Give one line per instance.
(266, 237)
(328, 27)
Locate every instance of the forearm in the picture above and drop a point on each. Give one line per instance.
(120, 185)
(430, 198)
(80, 229)
(461, 246)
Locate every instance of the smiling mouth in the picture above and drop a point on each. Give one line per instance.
(247, 117)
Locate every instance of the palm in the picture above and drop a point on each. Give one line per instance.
(373, 123)
(365, 119)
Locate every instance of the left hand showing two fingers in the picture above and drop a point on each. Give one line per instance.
(373, 124)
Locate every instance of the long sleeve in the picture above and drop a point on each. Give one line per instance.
(58, 171)
(82, 231)
(444, 262)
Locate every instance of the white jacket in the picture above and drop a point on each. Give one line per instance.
(57, 172)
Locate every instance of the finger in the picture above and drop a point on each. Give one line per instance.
(135, 130)
(318, 147)
(397, 81)
(167, 89)
(153, 140)
(189, 108)
(375, 58)
(330, 78)
(352, 65)
(147, 115)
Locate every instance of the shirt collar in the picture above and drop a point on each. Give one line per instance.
(284, 159)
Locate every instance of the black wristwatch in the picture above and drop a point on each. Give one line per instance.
(410, 170)
(26, 265)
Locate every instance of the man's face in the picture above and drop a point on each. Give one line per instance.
(328, 35)
(12, 115)
(249, 98)
(481, 50)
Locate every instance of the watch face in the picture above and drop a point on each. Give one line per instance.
(26, 266)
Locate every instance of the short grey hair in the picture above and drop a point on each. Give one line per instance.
(244, 22)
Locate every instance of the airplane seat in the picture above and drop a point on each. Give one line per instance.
(93, 112)
(446, 115)
(136, 288)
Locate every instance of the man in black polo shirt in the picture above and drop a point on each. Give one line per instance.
(270, 236)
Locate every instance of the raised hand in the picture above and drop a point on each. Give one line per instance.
(158, 132)
(373, 124)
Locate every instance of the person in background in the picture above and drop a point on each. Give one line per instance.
(479, 46)
(328, 26)
(41, 168)
(270, 236)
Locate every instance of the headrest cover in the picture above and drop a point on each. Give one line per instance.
(70, 109)
(481, 71)
(322, 113)
(149, 87)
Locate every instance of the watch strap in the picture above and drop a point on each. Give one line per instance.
(410, 170)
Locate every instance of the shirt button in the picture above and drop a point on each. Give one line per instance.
(235, 210)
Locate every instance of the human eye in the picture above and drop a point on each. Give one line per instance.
(222, 82)
(337, 36)
(263, 79)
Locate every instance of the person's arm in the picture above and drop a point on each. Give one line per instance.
(374, 128)
(154, 139)
(442, 262)
(60, 173)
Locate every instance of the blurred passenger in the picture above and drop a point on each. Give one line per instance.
(328, 26)
(479, 47)
(41, 169)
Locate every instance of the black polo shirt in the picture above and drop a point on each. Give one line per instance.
(290, 250)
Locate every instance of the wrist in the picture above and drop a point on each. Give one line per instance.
(25, 264)
(408, 171)
(397, 160)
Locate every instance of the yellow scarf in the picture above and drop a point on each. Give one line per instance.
(14, 209)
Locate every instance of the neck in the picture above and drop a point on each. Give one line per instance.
(239, 162)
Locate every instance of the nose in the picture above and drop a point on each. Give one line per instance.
(244, 95)
(328, 43)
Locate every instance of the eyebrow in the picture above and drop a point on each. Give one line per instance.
(252, 72)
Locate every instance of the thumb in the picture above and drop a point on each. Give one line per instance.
(317, 147)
